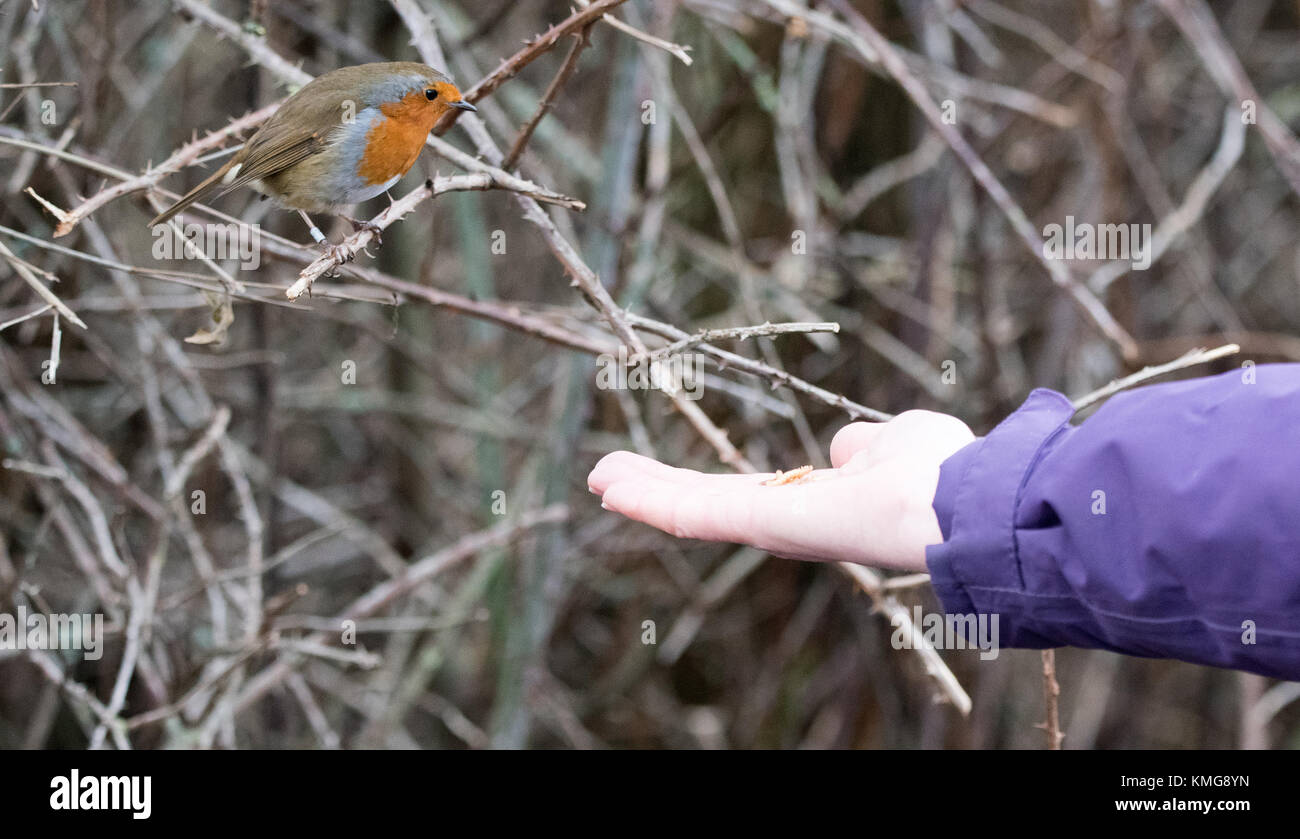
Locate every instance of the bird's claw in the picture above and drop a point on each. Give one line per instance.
(375, 230)
(338, 254)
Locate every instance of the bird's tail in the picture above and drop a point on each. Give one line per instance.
(199, 192)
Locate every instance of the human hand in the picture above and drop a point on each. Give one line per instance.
(873, 507)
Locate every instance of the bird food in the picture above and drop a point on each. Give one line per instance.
(794, 476)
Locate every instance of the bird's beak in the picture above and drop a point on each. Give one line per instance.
(463, 105)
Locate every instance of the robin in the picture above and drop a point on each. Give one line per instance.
(345, 137)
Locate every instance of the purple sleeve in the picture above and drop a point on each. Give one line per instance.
(1166, 525)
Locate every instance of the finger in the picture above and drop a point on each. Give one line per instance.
(623, 465)
(851, 439)
(708, 509)
(788, 521)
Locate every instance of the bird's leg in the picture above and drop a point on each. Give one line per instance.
(375, 230)
(312, 228)
(336, 252)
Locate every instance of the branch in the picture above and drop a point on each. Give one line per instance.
(676, 50)
(1052, 696)
(502, 179)
(257, 47)
(43, 291)
(16, 85)
(774, 376)
(352, 245)
(552, 90)
(871, 583)
(534, 48)
(179, 159)
(1190, 359)
(736, 333)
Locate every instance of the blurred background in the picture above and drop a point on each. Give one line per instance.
(228, 477)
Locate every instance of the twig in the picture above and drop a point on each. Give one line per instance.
(1190, 359)
(206, 685)
(90, 505)
(39, 287)
(676, 50)
(254, 528)
(32, 314)
(897, 614)
(329, 739)
(581, 40)
(38, 469)
(179, 159)
(255, 46)
(736, 333)
(774, 376)
(502, 179)
(904, 581)
(360, 657)
(77, 692)
(888, 175)
(56, 347)
(80, 160)
(14, 85)
(195, 453)
(534, 48)
(1052, 699)
(352, 245)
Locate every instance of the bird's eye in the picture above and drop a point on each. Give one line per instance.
(431, 94)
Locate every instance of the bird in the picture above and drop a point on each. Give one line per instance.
(343, 138)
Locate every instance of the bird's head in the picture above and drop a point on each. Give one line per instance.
(413, 89)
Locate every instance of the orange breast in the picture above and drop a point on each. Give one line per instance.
(394, 143)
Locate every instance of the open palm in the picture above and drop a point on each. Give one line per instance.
(873, 507)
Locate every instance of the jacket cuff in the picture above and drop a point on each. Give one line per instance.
(979, 488)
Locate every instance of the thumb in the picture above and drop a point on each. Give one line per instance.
(851, 439)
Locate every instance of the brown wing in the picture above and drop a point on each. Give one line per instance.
(199, 192)
(301, 128)
(289, 137)
(274, 156)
